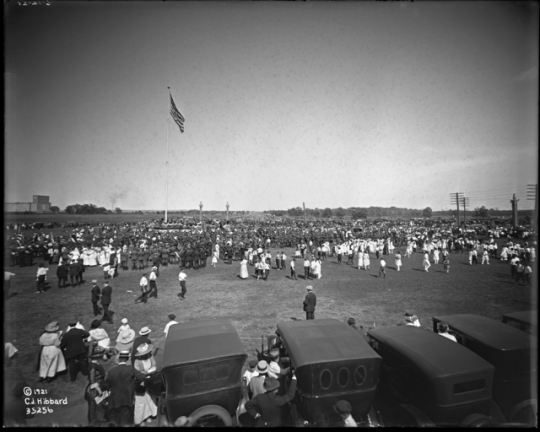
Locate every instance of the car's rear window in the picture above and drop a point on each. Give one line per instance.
(469, 386)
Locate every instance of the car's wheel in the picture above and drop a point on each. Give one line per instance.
(211, 415)
(524, 412)
(476, 420)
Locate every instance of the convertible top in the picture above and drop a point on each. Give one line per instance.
(433, 354)
(322, 341)
(202, 340)
(494, 334)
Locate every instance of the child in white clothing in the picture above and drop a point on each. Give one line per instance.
(124, 326)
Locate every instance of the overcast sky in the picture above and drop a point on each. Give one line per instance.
(331, 104)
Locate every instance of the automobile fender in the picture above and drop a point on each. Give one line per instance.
(420, 418)
(476, 420)
(532, 403)
(211, 410)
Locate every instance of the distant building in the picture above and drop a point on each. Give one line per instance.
(39, 204)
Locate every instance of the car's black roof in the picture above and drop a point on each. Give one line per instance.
(201, 340)
(529, 317)
(436, 356)
(492, 333)
(323, 341)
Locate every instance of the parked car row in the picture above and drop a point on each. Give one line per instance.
(405, 376)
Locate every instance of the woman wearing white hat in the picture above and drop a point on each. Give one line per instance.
(51, 359)
(145, 407)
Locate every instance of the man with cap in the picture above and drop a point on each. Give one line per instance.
(121, 382)
(171, 322)
(343, 408)
(96, 294)
(309, 303)
(106, 298)
(256, 384)
(153, 282)
(266, 407)
(352, 323)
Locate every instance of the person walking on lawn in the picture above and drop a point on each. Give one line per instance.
(144, 289)
(382, 268)
(182, 278)
(153, 282)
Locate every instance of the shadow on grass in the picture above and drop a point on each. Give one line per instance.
(420, 270)
(375, 276)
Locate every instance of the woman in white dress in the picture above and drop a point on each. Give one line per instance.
(398, 260)
(51, 359)
(145, 407)
(366, 261)
(85, 256)
(99, 339)
(360, 259)
(92, 258)
(102, 257)
(243, 269)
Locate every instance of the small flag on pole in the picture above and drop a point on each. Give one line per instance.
(178, 118)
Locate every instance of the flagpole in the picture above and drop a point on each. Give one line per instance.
(167, 165)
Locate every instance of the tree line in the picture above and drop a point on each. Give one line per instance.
(354, 212)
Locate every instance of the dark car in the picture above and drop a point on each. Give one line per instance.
(332, 362)
(526, 321)
(428, 380)
(200, 374)
(512, 352)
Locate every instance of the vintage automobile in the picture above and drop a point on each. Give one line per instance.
(332, 362)
(526, 321)
(428, 380)
(199, 374)
(512, 352)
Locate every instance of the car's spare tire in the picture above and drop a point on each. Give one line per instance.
(210, 413)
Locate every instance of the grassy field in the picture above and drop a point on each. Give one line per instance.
(253, 306)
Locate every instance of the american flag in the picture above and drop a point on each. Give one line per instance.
(178, 118)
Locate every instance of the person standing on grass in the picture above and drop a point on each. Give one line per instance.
(41, 278)
(310, 302)
(485, 257)
(62, 273)
(306, 267)
(74, 350)
(520, 273)
(360, 259)
(266, 268)
(182, 279)
(527, 272)
(293, 270)
(338, 251)
(366, 260)
(425, 262)
(397, 258)
(283, 263)
(382, 268)
(436, 253)
(474, 257)
(106, 299)
(446, 264)
(96, 294)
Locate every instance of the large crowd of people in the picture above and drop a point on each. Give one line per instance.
(138, 246)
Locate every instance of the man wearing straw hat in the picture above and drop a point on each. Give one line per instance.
(121, 382)
(266, 407)
(153, 282)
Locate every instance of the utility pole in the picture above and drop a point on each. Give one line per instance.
(200, 212)
(227, 210)
(532, 195)
(455, 198)
(465, 203)
(514, 202)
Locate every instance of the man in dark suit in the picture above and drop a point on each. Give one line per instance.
(266, 407)
(309, 303)
(75, 351)
(62, 273)
(106, 299)
(96, 294)
(74, 270)
(121, 382)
